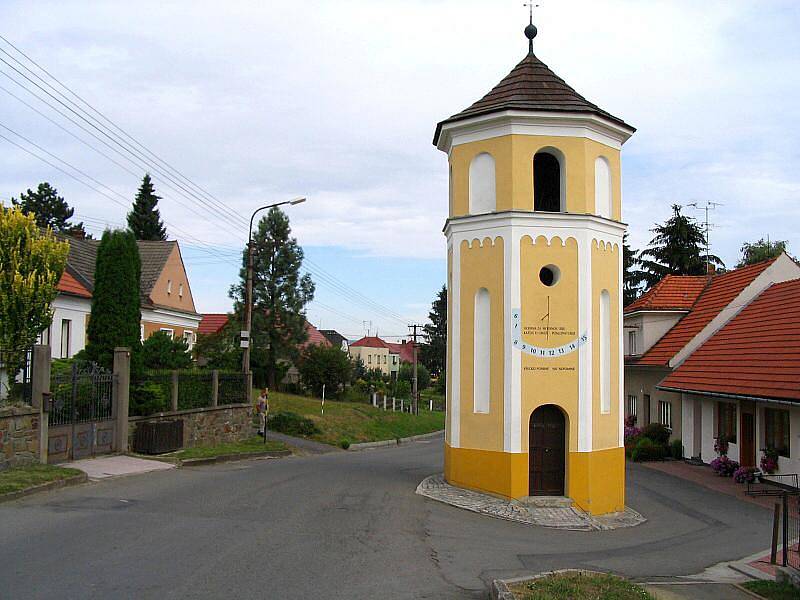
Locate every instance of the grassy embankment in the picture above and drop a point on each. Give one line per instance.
(355, 422)
(248, 446)
(20, 478)
(570, 586)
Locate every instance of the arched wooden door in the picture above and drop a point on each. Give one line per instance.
(546, 451)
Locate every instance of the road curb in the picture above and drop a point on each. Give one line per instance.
(45, 487)
(193, 462)
(413, 438)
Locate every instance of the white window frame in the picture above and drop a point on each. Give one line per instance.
(632, 343)
(633, 405)
(665, 413)
(170, 332)
(188, 337)
(66, 352)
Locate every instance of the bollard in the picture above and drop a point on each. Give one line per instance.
(384, 402)
(393, 404)
(401, 405)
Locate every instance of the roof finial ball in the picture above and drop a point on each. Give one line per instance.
(530, 30)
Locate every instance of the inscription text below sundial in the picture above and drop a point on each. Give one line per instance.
(569, 339)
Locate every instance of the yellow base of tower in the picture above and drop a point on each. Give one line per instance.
(594, 480)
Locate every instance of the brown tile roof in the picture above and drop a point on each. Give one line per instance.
(370, 342)
(315, 337)
(531, 85)
(756, 354)
(69, 285)
(212, 323)
(404, 349)
(717, 295)
(673, 292)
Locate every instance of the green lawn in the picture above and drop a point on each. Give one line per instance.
(248, 446)
(13, 480)
(356, 422)
(572, 586)
(772, 590)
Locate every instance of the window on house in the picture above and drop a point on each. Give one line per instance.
(394, 359)
(44, 337)
(66, 335)
(546, 183)
(726, 421)
(665, 413)
(369, 359)
(188, 337)
(169, 286)
(384, 359)
(632, 402)
(170, 333)
(631, 342)
(776, 430)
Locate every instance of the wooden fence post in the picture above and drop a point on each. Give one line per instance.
(214, 387)
(174, 391)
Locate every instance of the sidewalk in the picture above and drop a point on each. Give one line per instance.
(116, 465)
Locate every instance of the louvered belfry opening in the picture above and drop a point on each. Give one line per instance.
(546, 183)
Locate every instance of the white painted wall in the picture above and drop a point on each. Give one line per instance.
(481, 353)
(650, 327)
(76, 310)
(482, 187)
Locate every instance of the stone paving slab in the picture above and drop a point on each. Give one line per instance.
(436, 488)
(116, 465)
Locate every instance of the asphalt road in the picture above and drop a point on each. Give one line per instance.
(338, 525)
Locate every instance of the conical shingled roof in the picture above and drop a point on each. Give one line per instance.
(531, 85)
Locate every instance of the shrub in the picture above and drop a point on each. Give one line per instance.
(292, 424)
(344, 443)
(630, 421)
(146, 399)
(724, 466)
(745, 475)
(646, 449)
(721, 445)
(769, 460)
(676, 449)
(160, 351)
(656, 432)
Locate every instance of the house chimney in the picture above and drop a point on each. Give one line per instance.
(711, 269)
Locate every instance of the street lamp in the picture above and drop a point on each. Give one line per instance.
(248, 308)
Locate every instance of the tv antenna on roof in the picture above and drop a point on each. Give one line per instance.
(705, 208)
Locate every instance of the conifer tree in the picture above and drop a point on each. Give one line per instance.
(434, 351)
(632, 276)
(144, 220)
(116, 316)
(678, 248)
(49, 209)
(280, 295)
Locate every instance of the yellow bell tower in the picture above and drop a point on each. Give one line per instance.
(534, 254)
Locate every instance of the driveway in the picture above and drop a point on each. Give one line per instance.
(338, 525)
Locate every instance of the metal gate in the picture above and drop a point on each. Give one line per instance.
(81, 422)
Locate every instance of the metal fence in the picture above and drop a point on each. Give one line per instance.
(81, 394)
(232, 388)
(15, 375)
(785, 489)
(155, 391)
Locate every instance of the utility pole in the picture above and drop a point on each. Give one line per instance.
(246, 340)
(414, 390)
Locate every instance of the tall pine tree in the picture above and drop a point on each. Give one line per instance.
(280, 295)
(678, 248)
(434, 351)
(116, 315)
(633, 277)
(144, 220)
(49, 209)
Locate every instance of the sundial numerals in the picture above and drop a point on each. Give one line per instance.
(533, 350)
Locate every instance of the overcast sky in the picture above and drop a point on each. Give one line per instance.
(262, 101)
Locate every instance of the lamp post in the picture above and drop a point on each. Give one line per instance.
(248, 308)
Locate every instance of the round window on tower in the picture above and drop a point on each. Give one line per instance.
(549, 275)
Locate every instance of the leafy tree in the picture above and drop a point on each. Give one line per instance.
(324, 365)
(760, 251)
(31, 263)
(160, 351)
(434, 352)
(678, 248)
(220, 350)
(632, 277)
(115, 318)
(144, 220)
(50, 210)
(359, 370)
(280, 294)
(407, 374)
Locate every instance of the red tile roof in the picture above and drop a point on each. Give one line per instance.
(404, 349)
(69, 285)
(212, 323)
(370, 342)
(673, 292)
(314, 337)
(756, 354)
(717, 295)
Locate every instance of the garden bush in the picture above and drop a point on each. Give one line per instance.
(724, 466)
(676, 449)
(292, 424)
(656, 432)
(646, 449)
(147, 398)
